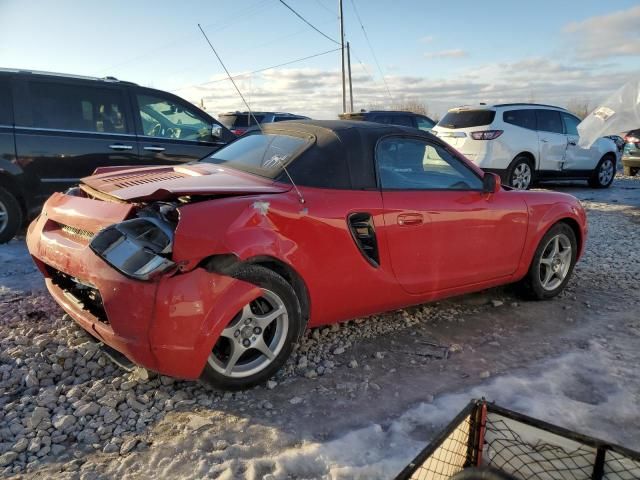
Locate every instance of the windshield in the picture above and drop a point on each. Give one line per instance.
(261, 154)
(240, 120)
(467, 118)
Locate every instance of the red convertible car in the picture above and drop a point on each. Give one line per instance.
(214, 269)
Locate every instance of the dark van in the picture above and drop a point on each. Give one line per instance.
(56, 129)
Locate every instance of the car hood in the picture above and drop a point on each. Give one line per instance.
(166, 182)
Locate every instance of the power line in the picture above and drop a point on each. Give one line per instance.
(309, 23)
(260, 70)
(373, 53)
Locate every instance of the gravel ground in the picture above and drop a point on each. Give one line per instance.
(65, 410)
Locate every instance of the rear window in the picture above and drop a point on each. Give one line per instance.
(521, 118)
(549, 121)
(260, 154)
(240, 120)
(467, 118)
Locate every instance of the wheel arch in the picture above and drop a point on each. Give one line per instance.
(7, 182)
(226, 263)
(577, 231)
(530, 156)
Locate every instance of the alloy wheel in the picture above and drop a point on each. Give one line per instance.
(555, 262)
(605, 174)
(253, 339)
(521, 176)
(4, 216)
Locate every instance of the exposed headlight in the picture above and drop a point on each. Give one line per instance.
(138, 248)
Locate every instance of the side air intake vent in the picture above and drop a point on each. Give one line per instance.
(364, 234)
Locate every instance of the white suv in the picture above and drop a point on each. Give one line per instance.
(525, 142)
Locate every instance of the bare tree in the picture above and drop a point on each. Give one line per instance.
(579, 107)
(410, 105)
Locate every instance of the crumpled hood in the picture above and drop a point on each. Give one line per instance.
(166, 182)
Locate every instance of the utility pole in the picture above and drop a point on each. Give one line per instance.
(350, 83)
(344, 89)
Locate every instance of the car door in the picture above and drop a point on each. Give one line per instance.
(552, 142)
(171, 130)
(577, 159)
(65, 129)
(442, 231)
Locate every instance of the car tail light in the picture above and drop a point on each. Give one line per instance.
(238, 131)
(139, 248)
(486, 134)
(631, 139)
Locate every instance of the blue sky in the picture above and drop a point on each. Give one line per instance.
(438, 53)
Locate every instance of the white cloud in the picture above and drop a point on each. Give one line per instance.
(427, 39)
(455, 53)
(317, 92)
(605, 36)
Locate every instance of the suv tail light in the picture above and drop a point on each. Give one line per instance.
(238, 131)
(486, 134)
(631, 139)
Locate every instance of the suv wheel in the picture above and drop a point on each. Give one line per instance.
(602, 176)
(10, 215)
(520, 173)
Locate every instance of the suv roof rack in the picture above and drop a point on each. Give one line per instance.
(528, 105)
(62, 75)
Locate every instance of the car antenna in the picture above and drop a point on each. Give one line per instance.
(249, 110)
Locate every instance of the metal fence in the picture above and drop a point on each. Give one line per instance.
(487, 436)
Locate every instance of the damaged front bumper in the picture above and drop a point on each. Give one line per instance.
(168, 325)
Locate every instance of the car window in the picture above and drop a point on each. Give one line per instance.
(5, 104)
(240, 120)
(549, 121)
(403, 120)
(570, 124)
(425, 124)
(262, 154)
(412, 164)
(521, 118)
(165, 118)
(467, 118)
(77, 107)
(386, 119)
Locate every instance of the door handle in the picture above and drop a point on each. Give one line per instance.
(154, 149)
(119, 146)
(544, 140)
(573, 142)
(409, 219)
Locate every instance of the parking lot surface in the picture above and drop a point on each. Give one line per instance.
(356, 400)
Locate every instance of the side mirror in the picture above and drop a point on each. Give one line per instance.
(490, 183)
(216, 131)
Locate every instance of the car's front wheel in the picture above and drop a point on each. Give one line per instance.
(10, 216)
(520, 173)
(260, 338)
(602, 176)
(552, 263)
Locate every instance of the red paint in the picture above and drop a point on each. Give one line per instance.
(448, 243)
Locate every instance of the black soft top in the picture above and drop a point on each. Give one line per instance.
(343, 155)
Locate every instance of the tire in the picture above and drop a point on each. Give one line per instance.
(630, 171)
(245, 333)
(559, 266)
(481, 473)
(604, 173)
(10, 216)
(520, 173)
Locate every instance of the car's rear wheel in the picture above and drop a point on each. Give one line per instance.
(605, 171)
(520, 173)
(259, 339)
(10, 215)
(552, 263)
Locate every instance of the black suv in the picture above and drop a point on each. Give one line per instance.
(56, 129)
(243, 122)
(390, 117)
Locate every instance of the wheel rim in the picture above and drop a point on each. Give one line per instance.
(253, 339)
(606, 172)
(4, 216)
(555, 262)
(521, 177)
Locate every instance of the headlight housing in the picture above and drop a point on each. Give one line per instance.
(139, 248)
